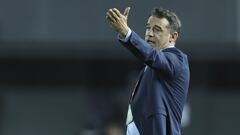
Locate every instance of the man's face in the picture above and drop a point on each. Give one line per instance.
(157, 32)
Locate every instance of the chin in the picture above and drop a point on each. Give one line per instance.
(152, 45)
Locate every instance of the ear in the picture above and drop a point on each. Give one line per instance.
(173, 37)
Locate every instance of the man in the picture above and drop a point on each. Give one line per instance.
(158, 98)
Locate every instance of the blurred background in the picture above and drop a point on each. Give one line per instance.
(63, 72)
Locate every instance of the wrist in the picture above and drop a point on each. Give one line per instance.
(123, 33)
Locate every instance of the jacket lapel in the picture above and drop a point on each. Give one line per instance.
(136, 84)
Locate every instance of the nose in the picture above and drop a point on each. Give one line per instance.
(149, 32)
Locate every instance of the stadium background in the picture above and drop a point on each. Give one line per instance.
(62, 70)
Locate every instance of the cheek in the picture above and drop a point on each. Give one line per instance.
(161, 38)
(164, 37)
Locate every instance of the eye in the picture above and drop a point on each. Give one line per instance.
(157, 29)
(148, 27)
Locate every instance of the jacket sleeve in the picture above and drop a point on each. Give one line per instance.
(163, 61)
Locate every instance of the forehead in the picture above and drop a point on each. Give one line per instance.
(162, 22)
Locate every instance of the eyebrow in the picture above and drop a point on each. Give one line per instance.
(154, 26)
(158, 26)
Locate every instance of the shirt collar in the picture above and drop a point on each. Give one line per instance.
(171, 45)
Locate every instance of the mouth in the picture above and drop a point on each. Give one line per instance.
(152, 43)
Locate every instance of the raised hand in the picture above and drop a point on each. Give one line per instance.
(118, 21)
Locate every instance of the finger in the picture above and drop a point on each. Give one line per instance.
(110, 18)
(117, 12)
(113, 14)
(126, 11)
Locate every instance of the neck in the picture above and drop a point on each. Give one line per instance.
(170, 45)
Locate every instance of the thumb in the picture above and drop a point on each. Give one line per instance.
(126, 11)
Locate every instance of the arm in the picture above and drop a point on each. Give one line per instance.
(168, 62)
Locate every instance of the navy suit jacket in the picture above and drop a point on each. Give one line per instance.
(162, 88)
